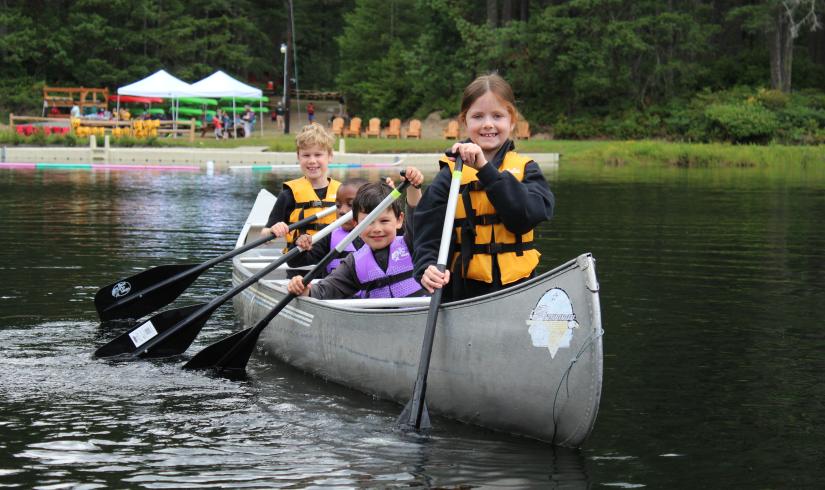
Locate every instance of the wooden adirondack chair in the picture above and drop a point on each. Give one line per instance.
(394, 129)
(414, 129)
(451, 133)
(338, 126)
(354, 128)
(374, 128)
(522, 130)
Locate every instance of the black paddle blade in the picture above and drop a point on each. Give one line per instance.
(144, 293)
(228, 355)
(406, 421)
(172, 346)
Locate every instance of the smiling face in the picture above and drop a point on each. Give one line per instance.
(381, 232)
(343, 200)
(314, 161)
(489, 123)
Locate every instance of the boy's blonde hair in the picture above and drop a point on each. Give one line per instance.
(314, 135)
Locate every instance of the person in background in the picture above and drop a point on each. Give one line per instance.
(217, 122)
(248, 120)
(311, 112)
(383, 267)
(503, 197)
(309, 194)
(75, 112)
(279, 115)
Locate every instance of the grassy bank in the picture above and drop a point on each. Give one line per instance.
(645, 152)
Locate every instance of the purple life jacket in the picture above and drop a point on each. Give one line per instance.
(335, 238)
(396, 282)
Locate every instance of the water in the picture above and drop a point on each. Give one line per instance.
(712, 282)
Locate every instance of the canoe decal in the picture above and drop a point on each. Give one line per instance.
(552, 321)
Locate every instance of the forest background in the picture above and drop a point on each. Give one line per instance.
(724, 70)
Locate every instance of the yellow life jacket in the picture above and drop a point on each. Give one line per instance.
(308, 203)
(480, 234)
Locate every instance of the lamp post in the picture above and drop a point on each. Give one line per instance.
(283, 52)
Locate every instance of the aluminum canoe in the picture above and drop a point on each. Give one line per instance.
(526, 360)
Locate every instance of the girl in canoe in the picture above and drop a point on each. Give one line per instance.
(503, 197)
(346, 194)
(314, 253)
(309, 194)
(383, 267)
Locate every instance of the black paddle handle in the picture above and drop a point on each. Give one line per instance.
(259, 241)
(416, 402)
(206, 265)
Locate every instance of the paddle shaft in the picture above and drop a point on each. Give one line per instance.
(209, 263)
(238, 355)
(412, 418)
(217, 302)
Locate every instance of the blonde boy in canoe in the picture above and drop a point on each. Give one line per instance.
(309, 194)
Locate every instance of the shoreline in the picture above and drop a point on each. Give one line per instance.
(205, 159)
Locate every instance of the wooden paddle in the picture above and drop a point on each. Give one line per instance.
(415, 415)
(171, 332)
(155, 288)
(230, 355)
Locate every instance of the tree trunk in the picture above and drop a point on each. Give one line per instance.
(776, 48)
(492, 13)
(506, 11)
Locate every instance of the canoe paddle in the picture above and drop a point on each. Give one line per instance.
(415, 415)
(155, 288)
(230, 354)
(171, 332)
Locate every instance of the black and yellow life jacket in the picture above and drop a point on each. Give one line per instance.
(480, 234)
(308, 203)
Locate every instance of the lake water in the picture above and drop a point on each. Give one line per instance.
(713, 296)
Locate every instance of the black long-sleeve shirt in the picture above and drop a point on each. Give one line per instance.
(285, 204)
(520, 206)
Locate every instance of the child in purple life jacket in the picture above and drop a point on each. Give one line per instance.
(382, 268)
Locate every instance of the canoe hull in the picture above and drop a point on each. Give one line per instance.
(526, 360)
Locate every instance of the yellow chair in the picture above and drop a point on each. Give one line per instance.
(354, 128)
(338, 126)
(394, 129)
(414, 129)
(374, 128)
(451, 133)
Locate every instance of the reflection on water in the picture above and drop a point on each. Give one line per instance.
(712, 289)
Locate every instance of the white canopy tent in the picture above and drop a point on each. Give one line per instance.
(159, 84)
(219, 84)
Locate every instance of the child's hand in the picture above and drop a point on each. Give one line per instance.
(304, 242)
(434, 279)
(296, 286)
(279, 229)
(414, 176)
(471, 154)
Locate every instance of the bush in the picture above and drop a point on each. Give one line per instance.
(772, 99)
(742, 123)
